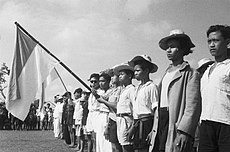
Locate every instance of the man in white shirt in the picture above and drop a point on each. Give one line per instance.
(93, 107)
(144, 103)
(102, 145)
(215, 92)
(57, 117)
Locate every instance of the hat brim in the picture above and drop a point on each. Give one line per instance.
(119, 68)
(153, 67)
(205, 64)
(163, 43)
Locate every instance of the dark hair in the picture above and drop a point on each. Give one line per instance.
(94, 75)
(128, 72)
(86, 93)
(78, 90)
(67, 94)
(106, 76)
(223, 29)
(144, 65)
(184, 45)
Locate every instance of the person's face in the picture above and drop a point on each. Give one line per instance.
(55, 100)
(94, 83)
(217, 44)
(77, 95)
(104, 84)
(139, 73)
(123, 77)
(65, 98)
(84, 96)
(115, 79)
(174, 52)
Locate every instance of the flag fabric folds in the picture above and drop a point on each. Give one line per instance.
(30, 68)
(51, 77)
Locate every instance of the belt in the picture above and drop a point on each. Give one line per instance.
(145, 118)
(97, 110)
(124, 114)
(104, 112)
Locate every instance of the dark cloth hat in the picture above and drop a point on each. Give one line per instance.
(94, 75)
(176, 34)
(66, 94)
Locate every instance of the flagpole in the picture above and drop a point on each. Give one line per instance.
(61, 80)
(67, 68)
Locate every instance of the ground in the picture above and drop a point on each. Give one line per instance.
(31, 141)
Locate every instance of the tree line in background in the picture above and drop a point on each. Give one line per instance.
(3, 72)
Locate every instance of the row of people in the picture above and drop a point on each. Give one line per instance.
(163, 117)
(35, 119)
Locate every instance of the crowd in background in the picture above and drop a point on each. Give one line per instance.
(35, 120)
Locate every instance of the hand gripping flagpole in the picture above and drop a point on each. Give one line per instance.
(61, 63)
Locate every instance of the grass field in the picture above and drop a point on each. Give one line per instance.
(31, 141)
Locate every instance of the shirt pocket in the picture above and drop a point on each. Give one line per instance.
(224, 84)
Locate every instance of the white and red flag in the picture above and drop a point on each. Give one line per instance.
(30, 68)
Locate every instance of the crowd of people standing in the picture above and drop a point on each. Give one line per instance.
(187, 111)
(35, 120)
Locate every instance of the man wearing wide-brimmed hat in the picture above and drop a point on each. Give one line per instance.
(145, 101)
(124, 105)
(179, 106)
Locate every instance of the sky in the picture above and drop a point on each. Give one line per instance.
(93, 35)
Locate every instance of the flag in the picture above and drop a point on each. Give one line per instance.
(52, 76)
(30, 68)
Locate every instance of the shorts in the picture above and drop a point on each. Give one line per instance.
(80, 131)
(124, 123)
(92, 122)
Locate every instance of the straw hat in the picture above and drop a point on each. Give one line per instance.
(146, 58)
(203, 62)
(176, 34)
(122, 66)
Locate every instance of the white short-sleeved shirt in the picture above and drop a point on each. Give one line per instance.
(215, 92)
(58, 110)
(114, 97)
(124, 104)
(78, 110)
(93, 104)
(146, 99)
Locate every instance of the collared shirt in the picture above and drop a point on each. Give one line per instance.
(114, 97)
(58, 110)
(104, 94)
(78, 110)
(94, 105)
(124, 104)
(215, 92)
(146, 99)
